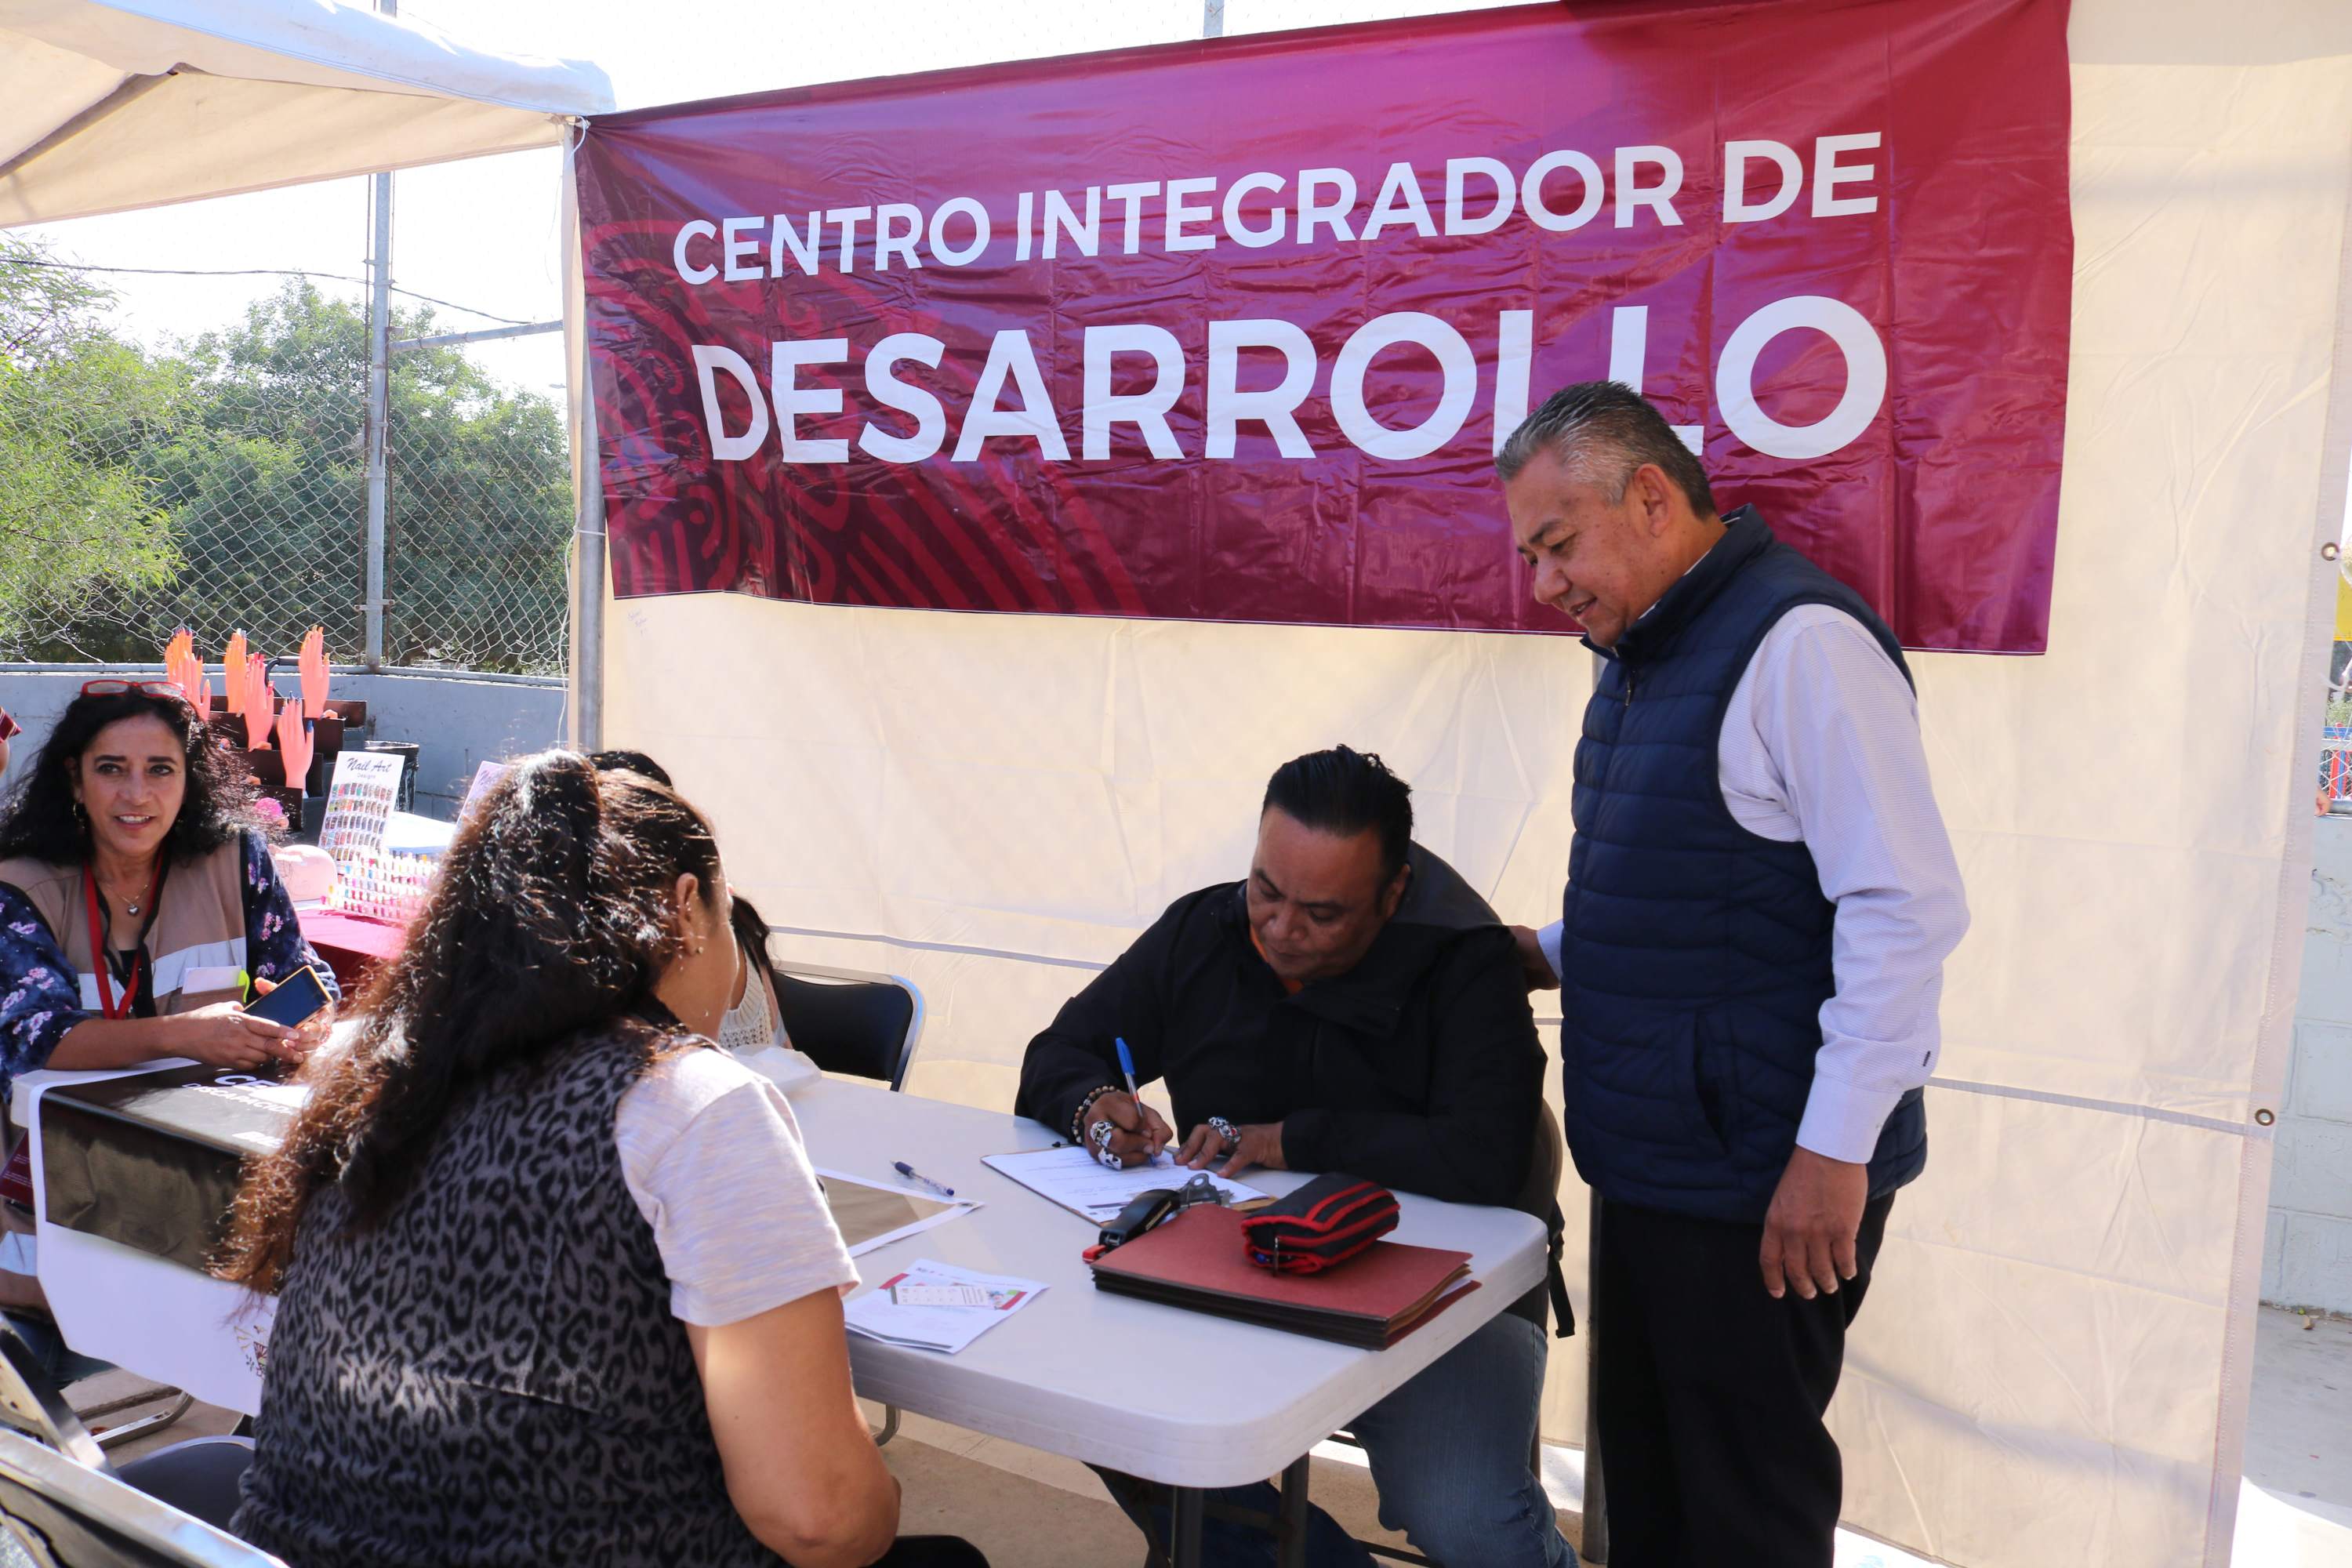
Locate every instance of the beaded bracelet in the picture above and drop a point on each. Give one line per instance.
(1086, 1106)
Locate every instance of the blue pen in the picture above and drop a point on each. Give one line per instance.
(912, 1174)
(1127, 1070)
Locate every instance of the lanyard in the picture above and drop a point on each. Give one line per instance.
(98, 946)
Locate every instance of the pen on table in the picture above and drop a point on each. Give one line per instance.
(912, 1174)
(1127, 1070)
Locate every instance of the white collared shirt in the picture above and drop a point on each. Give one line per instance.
(1820, 744)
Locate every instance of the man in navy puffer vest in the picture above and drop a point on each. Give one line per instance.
(1760, 898)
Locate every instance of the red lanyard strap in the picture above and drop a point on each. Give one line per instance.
(99, 954)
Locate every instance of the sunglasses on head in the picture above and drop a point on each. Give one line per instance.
(110, 688)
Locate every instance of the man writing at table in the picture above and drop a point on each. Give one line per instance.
(1354, 1007)
(1760, 898)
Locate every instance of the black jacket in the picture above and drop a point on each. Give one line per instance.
(1418, 1069)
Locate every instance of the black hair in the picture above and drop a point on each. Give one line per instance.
(41, 822)
(1346, 792)
(553, 915)
(621, 760)
(751, 936)
(1608, 430)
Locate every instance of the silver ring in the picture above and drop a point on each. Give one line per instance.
(1225, 1129)
(1100, 1135)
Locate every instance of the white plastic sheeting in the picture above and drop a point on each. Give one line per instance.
(107, 105)
(2052, 1366)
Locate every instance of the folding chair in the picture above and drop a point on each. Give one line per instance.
(1537, 1196)
(40, 1333)
(60, 1512)
(850, 1021)
(198, 1476)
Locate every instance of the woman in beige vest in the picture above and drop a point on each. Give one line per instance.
(136, 901)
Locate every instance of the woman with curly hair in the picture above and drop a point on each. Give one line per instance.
(137, 899)
(555, 1280)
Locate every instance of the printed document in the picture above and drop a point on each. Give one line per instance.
(933, 1305)
(1075, 1179)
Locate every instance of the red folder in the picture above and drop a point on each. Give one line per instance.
(1197, 1261)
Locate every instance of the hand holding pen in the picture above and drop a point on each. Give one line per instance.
(1121, 1126)
(1156, 1132)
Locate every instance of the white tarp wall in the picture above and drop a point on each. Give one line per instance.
(2053, 1364)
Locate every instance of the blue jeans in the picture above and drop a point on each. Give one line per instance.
(40, 1336)
(1449, 1455)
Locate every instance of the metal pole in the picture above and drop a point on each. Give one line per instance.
(379, 400)
(588, 588)
(1595, 1548)
(586, 711)
(1185, 1543)
(1290, 1523)
(1212, 18)
(487, 335)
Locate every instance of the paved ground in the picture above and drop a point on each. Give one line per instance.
(1029, 1509)
(2297, 1506)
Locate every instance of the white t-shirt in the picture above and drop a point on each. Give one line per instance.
(714, 1159)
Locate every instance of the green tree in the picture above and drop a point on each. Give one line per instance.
(265, 485)
(80, 520)
(481, 517)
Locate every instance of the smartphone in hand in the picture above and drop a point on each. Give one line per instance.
(292, 1000)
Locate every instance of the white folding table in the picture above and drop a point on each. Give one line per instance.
(1190, 1401)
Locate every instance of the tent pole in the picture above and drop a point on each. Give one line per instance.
(588, 585)
(379, 398)
(585, 711)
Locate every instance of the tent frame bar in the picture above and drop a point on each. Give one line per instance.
(123, 96)
(487, 334)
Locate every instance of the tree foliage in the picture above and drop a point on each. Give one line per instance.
(246, 447)
(77, 523)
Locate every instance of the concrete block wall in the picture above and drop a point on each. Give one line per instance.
(2307, 1252)
(457, 720)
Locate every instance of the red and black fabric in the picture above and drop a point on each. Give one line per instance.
(1321, 1226)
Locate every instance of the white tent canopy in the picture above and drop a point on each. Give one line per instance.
(107, 105)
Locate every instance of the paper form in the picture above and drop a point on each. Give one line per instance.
(1075, 1179)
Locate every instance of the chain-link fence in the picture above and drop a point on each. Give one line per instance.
(480, 519)
(220, 483)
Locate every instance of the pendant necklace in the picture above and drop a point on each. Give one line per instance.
(129, 908)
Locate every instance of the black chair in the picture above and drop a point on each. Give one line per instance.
(198, 1476)
(850, 1021)
(1545, 1165)
(60, 1512)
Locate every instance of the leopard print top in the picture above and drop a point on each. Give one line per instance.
(492, 1376)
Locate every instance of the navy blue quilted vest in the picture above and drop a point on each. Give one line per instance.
(1695, 954)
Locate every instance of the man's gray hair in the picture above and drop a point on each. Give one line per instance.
(1603, 431)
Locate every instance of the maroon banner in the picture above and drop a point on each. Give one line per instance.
(1231, 330)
